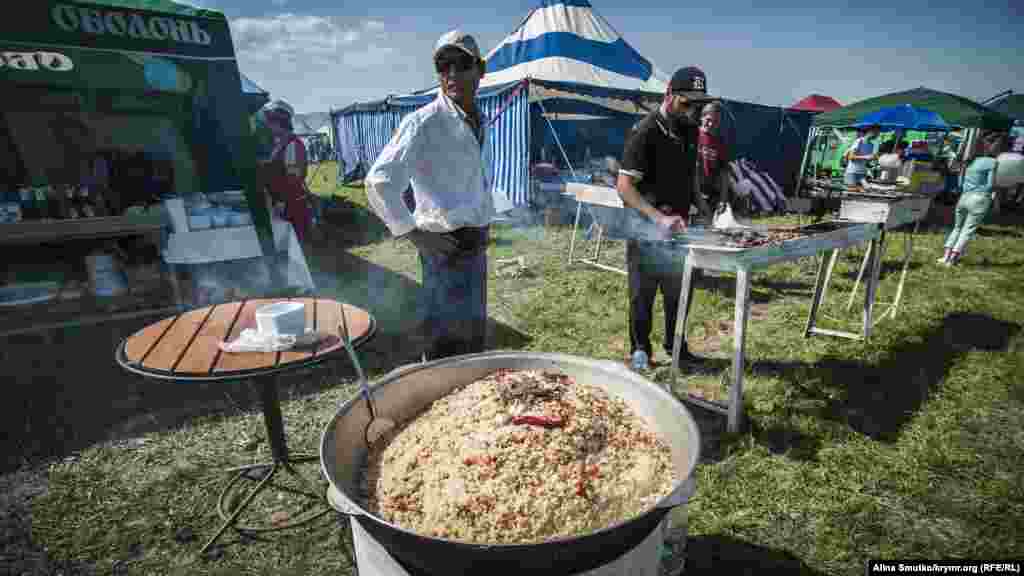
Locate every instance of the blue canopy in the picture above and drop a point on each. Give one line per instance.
(904, 117)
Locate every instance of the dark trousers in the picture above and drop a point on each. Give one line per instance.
(653, 267)
(455, 298)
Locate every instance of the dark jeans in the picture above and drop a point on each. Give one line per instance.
(455, 295)
(653, 267)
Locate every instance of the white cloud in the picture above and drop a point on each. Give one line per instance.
(317, 62)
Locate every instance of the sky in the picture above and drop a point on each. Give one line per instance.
(322, 54)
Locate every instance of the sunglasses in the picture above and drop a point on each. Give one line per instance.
(461, 63)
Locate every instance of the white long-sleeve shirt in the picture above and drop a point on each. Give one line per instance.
(436, 151)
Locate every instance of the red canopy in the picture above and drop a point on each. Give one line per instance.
(817, 103)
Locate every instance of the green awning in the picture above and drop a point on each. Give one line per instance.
(145, 26)
(143, 51)
(956, 110)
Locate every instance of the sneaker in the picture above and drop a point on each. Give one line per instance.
(640, 361)
(941, 260)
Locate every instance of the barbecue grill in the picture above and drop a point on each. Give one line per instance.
(893, 207)
(721, 251)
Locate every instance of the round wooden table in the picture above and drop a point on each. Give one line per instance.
(184, 348)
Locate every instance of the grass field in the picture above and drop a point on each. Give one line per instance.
(907, 446)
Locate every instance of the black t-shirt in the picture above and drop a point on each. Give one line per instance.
(661, 156)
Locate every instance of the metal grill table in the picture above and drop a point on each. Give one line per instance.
(709, 254)
(892, 211)
(605, 204)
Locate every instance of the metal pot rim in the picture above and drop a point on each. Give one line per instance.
(680, 494)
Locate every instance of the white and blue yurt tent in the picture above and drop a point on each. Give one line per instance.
(562, 88)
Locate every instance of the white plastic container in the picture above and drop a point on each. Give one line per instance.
(282, 318)
(174, 208)
(105, 275)
(1009, 170)
(237, 218)
(199, 220)
(219, 218)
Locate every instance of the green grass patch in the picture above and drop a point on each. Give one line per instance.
(907, 446)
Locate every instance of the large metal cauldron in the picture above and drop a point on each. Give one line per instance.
(405, 392)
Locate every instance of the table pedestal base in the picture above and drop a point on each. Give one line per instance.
(281, 462)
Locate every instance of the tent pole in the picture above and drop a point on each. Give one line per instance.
(803, 163)
(557, 140)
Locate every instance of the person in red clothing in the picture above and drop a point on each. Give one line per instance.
(287, 180)
(713, 156)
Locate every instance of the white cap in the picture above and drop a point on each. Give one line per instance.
(458, 39)
(280, 105)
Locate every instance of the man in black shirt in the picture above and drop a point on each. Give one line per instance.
(658, 179)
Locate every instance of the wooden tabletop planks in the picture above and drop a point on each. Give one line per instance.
(187, 345)
(140, 343)
(202, 353)
(169, 349)
(359, 324)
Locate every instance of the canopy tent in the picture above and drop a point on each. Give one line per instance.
(904, 117)
(563, 87)
(956, 110)
(816, 103)
(129, 59)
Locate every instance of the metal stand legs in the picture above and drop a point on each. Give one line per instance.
(282, 462)
(734, 410)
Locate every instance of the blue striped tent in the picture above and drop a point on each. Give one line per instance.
(581, 86)
(564, 70)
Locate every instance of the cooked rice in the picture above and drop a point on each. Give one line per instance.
(464, 470)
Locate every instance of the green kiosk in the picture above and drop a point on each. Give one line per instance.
(110, 108)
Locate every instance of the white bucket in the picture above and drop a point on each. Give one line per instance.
(1009, 170)
(174, 208)
(105, 275)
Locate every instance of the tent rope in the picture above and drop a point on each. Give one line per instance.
(508, 101)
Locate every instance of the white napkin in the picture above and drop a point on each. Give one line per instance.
(255, 341)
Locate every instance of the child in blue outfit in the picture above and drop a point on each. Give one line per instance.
(976, 197)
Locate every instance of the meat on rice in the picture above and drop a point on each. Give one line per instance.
(518, 457)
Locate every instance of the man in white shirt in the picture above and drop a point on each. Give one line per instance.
(440, 150)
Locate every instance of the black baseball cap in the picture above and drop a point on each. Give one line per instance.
(692, 83)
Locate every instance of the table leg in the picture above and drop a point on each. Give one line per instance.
(171, 271)
(685, 294)
(739, 349)
(871, 285)
(819, 289)
(282, 461)
(272, 419)
(575, 227)
(908, 246)
(828, 274)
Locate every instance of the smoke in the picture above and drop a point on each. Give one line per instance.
(228, 281)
